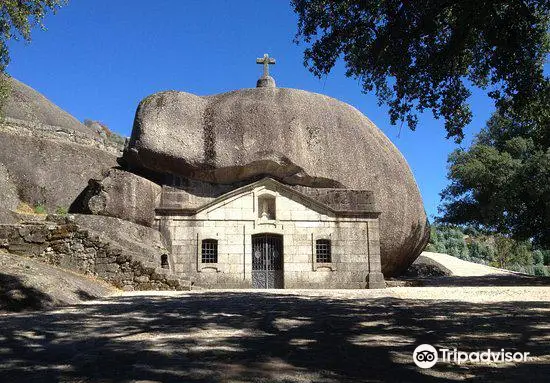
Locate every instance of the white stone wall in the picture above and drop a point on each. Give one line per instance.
(232, 223)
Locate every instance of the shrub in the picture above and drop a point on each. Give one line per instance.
(546, 255)
(40, 209)
(480, 251)
(431, 247)
(541, 271)
(538, 257)
(490, 249)
(61, 210)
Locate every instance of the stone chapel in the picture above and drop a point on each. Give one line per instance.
(266, 188)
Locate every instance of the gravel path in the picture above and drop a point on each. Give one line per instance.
(279, 336)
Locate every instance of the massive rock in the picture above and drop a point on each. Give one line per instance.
(122, 195)
(298, 137)
(48, 154)
(27, 105)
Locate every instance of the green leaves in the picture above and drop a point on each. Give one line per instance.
(502, 182)
(497, 250)
(419, 54)
(18, 17)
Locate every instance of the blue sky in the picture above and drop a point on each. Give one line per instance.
(99, 58)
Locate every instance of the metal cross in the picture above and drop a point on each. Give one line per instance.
(266, 61)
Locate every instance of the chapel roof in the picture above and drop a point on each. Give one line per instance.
(341, 202)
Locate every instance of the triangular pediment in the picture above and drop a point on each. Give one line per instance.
(266, 185)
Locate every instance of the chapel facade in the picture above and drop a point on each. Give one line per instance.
(266, 234)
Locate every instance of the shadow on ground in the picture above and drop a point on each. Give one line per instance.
(266, 337)
(16, 296)
(484, 280)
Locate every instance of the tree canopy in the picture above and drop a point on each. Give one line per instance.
(502, 182)
(17, 18)
(422, 54)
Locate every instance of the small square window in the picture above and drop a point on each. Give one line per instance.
(323, 251)
(209, 251)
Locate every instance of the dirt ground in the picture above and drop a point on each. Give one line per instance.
(281, 336)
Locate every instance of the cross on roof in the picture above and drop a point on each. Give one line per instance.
(266, 61)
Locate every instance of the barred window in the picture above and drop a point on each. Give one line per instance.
(323, 251)
(209, 253)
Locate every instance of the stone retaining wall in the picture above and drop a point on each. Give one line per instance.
(67, 245)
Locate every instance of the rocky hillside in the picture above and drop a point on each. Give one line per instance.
(46, 155)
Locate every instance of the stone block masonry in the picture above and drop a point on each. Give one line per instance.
(268, 230)
(65, 244)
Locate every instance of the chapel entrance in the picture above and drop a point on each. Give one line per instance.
(267, 261)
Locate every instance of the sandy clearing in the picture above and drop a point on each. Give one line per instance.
(478, 294)
(278, 336)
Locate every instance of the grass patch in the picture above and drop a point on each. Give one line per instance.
(40, 209)
(25, 208)
(61, 210)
